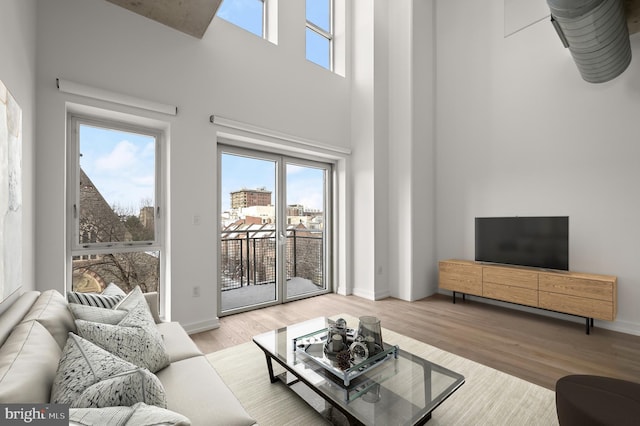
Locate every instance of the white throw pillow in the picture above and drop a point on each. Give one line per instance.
(84, 364)
(95, 314)
(131, 300)
(113, 290)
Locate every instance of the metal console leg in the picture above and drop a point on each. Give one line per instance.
(588, 324)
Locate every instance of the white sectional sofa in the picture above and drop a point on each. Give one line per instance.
(36, 327)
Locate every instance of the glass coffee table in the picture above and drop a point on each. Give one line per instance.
(401, 390)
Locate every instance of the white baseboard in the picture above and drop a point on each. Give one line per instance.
(621, 326)
(367, 294)
(200, 326)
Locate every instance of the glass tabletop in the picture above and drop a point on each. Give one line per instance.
(402, 390)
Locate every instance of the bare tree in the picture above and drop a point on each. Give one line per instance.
(102, 223)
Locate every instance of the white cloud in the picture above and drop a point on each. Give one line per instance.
(122, 157)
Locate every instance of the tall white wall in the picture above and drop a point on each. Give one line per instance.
(230, 73)
(520, 133)
(18, 73)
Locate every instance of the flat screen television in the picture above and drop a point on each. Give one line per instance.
(541, 242)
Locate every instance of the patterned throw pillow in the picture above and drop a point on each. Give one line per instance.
(93, 299)
(109, 298)
(95, 314)
(139, 414)
(84, 364)
(136, 338)
(126, 388)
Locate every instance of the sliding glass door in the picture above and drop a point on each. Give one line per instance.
(274, 229)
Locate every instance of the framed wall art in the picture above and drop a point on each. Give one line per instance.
(10, 194)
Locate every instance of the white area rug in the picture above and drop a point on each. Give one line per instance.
(488, 396)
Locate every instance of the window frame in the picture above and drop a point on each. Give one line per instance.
(283, 157)
(77, 249)
(329, 36)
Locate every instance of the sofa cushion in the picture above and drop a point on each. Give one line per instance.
(195, 389)
(95, 314)
(139, 414)
(127, 388)
(83, 364)
(177, 342)
(152, 300)
(28, 362)
(135, 339)
(50, 310)
(15, 313)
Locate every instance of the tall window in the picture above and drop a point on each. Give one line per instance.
(319, 32)
(115, 232)
(247, 14)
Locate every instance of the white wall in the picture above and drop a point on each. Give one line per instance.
(229, 72)
(18, 73)
(520, 133)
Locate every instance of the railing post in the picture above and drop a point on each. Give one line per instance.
(248, 260)
(255, 265)
(295, 254)
(241, 264)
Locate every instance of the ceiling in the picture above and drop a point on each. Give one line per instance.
(194, 16)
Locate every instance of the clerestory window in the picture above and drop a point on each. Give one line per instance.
(319, 32)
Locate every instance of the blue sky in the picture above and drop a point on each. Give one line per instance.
(120, 164)
(304, 184)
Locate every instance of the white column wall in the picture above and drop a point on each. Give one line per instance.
(18, 73)
(363, 136)
(230, 73)
(424, 263)
(520, 133)
(410, 150)
(392, 136)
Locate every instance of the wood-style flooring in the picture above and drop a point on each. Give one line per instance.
(534, 347)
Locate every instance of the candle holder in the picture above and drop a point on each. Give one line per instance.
(370, 334)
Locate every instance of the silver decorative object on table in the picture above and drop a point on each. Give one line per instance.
(344, 352)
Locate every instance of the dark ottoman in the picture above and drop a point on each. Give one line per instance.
(593, 400)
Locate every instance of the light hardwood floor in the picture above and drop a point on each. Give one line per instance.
(531, 346)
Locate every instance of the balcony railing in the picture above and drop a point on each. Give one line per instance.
(248, 257)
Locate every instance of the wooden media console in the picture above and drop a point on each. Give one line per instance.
(584, 295)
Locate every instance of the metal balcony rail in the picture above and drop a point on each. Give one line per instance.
(248, 256)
